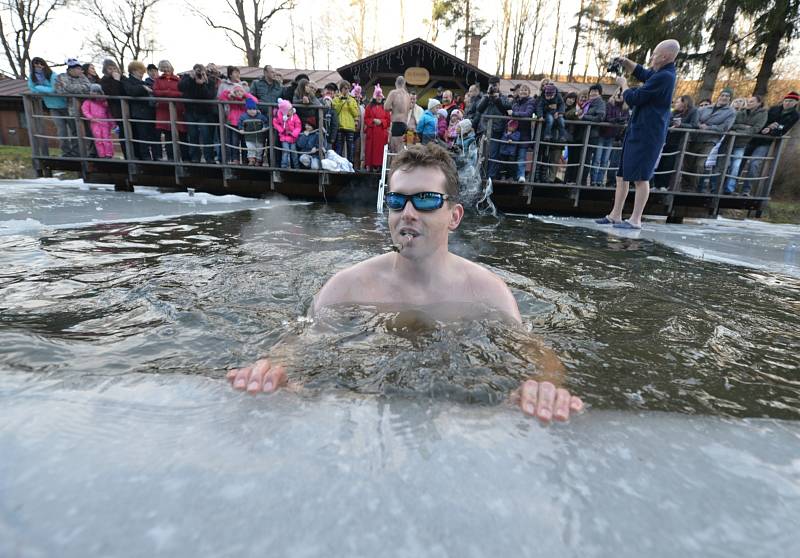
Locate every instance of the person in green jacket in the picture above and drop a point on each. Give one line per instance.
(348, 113)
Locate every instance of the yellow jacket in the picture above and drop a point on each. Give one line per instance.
(347, 110)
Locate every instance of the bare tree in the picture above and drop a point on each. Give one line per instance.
(555, 40)
(502, 37)
(19, 22)
(537, 26)
(355, 45)
(249, 32)
(123, 26)
(578, 30)
(521, 28)
(721, 34)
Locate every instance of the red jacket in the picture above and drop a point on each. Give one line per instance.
(167, 86)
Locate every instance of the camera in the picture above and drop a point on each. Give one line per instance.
(615, 67)
(493, 89)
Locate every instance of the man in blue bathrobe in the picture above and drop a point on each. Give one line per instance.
(650, 113)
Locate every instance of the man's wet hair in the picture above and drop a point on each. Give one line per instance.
(432, 156)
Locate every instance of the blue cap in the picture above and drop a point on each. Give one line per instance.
(250, 104)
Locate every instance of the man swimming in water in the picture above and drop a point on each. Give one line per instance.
(423, 210)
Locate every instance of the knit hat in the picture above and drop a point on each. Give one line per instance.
(72, 62)
(356, 90)
(549, 89)
(727, 90)
(250, 104)
(95, 89)
(378, 93)
(465, 126)
(512, 125)
(441, 113)
(311, 121)
(793, 95)
(284, 106)
(432, 104)
(457, 113)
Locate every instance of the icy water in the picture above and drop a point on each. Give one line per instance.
(119, 314)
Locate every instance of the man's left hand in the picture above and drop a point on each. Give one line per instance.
(546, 402)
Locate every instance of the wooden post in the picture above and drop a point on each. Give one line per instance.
(126, 125)
(675, 185)
(584, 148)
(82, 150)
(173, 127)
(773, 169)
(223, 135)
(271, 138)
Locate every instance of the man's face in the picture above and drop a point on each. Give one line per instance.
(269, 73)
(752, 103)
(724, 99)
(153, 73)
(593, 94)
(75, 71)
(447, 97)
(789, 104)
(428, 230)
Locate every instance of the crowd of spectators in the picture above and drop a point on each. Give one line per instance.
(301, 121)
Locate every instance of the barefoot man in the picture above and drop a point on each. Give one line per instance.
(398, 103)
(647, 131)
(423, 210)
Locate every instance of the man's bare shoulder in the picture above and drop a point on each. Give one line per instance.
(352, 284)
(488, 286)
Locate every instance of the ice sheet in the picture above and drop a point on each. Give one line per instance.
(747, 242)
(183, 466)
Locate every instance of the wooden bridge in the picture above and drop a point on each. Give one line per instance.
(552, 184)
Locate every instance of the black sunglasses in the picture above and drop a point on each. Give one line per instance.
(422, 201)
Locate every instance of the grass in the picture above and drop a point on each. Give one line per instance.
(15, 162)
(782, 211)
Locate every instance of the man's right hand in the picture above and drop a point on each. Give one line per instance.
(263, 376)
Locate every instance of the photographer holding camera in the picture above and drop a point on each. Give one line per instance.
(647, 131)
(493, 104)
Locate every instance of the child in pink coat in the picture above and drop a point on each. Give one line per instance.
(237, 95)
(288, 126)
(96, 110)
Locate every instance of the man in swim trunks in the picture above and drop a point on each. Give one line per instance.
(423, 210)
(398, 102)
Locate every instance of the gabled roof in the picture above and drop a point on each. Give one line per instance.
(13, 88)
(414, 53)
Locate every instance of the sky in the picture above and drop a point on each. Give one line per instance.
(184, 38)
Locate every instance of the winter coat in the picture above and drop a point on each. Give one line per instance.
(266, 92)
(647, 130)
(68, 85)
(377, 135)
(348, 112)
(545, 105)
(307, 143)
(464, 142)
(306, 110)
(427, 125)
(615, 114)
(748, 122)
(688, 119)
(509, 149)
(777, 114)
(167, 86)
(135, 87)
(52, 103)
(235, 108)
(96, 110)
(331, 121)
(524, 107)
(472, 112)
(288, 130)
(595, 111)
(441, 127)
(254, 127)
(113, 88)
(718, 119)
(200, 91)
(493, 106)
(228, 85)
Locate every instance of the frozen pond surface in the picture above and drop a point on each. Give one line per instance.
(182, 466)
(119, 313)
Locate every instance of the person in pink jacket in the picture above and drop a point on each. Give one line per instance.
(287, 125)
(237, 96)
(96, 110)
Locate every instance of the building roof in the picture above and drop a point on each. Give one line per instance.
(12, 87)
(415, 52)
